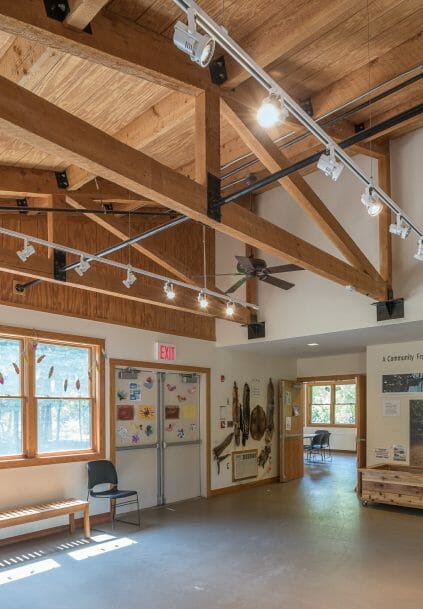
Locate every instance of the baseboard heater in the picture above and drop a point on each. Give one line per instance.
(244, 464)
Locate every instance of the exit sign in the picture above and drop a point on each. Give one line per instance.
(165, 352)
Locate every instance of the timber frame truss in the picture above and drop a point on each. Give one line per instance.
(115, 161)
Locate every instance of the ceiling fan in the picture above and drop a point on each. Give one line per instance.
(250, 267)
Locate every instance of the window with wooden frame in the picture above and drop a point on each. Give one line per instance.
(331, 403)
(51, 398)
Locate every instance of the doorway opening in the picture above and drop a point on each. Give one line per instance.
(159, 430)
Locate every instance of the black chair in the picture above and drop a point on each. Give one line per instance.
(104, 472)
(326, 450)
(315, 447)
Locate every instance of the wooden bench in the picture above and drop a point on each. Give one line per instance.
(32, 513)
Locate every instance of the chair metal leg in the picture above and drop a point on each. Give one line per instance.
(138, 512)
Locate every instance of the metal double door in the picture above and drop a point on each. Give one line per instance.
(158, 443)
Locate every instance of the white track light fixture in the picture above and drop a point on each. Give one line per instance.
(329, 165)
(26, 251)
(419, 254)
(401, 228)
(200, 47)
(371, 202)
(169, 290)
(202, 299)
(83, 266)
(130, 279)
(230, 308)
(271, 112)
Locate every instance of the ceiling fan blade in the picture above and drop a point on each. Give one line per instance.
(278, 283)
(246, 263)
(284, 268)
(236, 285)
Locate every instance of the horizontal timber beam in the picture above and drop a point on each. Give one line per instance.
(46, 127)
(41, 268)
(116, 43)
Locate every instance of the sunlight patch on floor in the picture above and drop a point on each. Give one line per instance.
(34, 568)
(101, 548)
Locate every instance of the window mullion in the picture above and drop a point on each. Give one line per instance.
(31, 402)
(332, 403)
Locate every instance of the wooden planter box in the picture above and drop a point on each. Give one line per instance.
(392, 484)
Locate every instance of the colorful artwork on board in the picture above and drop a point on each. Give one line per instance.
(149, 382)
(135, 438)
(146, 412)
(122, 433)
(189, 411)
(181, 398)
(125, 413)
(180, 433)
(134, 392)
(171, 387)
(193, 427)
(172, 412)
(149, 430)
(192, 390)
(170, 427)
(122, 395)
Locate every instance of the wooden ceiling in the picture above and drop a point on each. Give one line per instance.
(126, 80)
(315, 48)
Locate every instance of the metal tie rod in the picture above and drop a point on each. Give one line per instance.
(229, 45)
(21, 287)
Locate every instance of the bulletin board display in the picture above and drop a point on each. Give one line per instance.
(181, 403)
(136, 400)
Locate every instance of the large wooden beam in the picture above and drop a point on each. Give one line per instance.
(385, 219)
(82, 12)
(99, 281)
(43, 125)
(23, 182)
(273, 159)
(115, 43)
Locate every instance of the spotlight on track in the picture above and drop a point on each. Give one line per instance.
(329, 165)
(200, 47)
(83, 266)
(130, 279)
(371, 202)
(202, 299)
(169, 290)
(272, 112)
(26, 251)
(419, 254)
(230, 308)
(400, 228)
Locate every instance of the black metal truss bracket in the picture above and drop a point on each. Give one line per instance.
(218, 72)
(62, 179)
(23, 203)
(389, 309)
(59, 262)
(59, 10)
(213, 197)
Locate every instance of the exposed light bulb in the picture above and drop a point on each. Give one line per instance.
(230, 308)
(26, 251)
(200, 47)
(400, 228)
(202, 299)
(83, 266)
(371, 202)
(328, 164)
(419, 254)
(169, 290)
(271, 112)
(130, 279)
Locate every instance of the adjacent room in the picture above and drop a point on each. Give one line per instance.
(211, 304)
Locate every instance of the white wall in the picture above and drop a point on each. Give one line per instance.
(342, 438)
(26, 485)
(317, 305)
(384, 431)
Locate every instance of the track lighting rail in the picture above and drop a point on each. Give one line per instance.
(272, 87)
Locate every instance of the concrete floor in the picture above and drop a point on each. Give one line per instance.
(305, 544)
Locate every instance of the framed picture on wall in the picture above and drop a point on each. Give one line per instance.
(402, 383)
